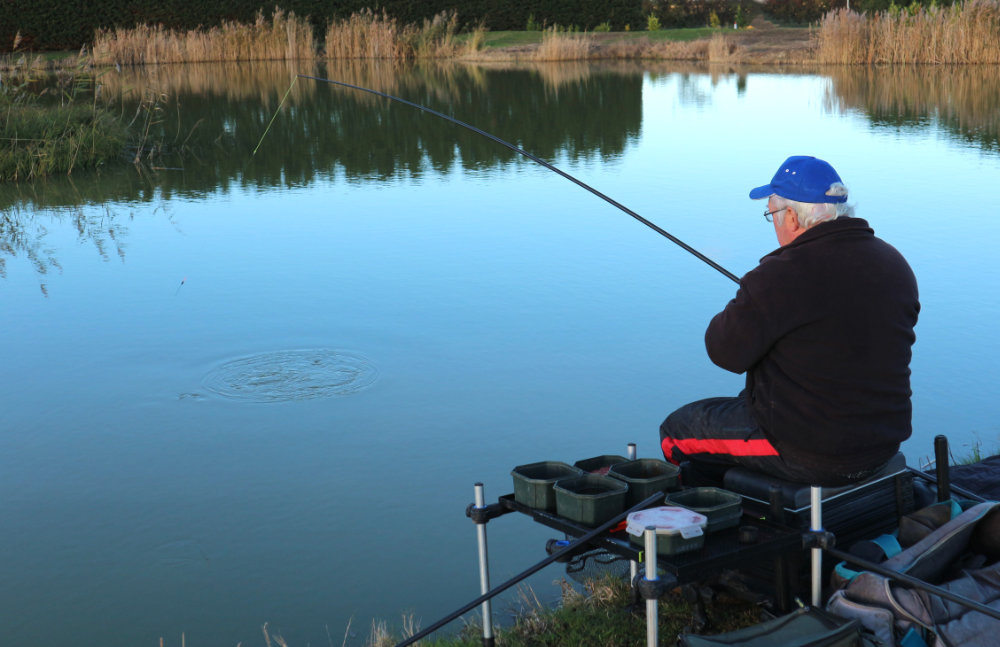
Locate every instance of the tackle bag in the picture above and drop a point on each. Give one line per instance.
(959, 556)
(806, 627)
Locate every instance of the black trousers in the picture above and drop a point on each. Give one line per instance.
(719, 433)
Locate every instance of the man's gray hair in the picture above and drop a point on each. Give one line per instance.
(813, 213)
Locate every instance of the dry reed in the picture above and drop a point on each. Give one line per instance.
(435, 38)
(365, 35)
(695, 50)
(281, 37)
(382, 636)
(369, 35)
(720, 50)
(562, 46)
(962, 33)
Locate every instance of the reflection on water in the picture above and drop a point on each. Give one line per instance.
(24, 234)
(964, 99)
(162, 458)
(217, 114)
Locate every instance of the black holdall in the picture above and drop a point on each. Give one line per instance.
(806, 627)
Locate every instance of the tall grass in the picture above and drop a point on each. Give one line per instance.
(56, 129)
(720, 50)
(563, 46)
(963, 33)
(283, 36)
(365, 35)
(370, 35)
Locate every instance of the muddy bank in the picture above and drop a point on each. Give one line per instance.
(762, 43)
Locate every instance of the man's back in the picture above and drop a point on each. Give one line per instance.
(823, 327)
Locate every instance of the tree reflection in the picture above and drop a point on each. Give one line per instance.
(962, 100)
(217, 113)
(23, 233)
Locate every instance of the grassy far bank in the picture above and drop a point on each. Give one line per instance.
(505, 39)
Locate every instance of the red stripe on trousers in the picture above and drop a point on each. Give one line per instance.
(729, 446)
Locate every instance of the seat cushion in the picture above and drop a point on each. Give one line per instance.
(757, 485)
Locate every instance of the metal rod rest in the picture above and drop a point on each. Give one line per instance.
(484, 571)
(816, 525)
(633, 566)
(941, 468)
(580, 541)
(652, 614)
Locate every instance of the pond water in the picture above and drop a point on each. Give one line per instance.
(258, 387)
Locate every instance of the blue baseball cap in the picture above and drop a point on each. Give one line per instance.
(801, 178)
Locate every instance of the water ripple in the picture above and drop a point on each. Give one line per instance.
(291, 375)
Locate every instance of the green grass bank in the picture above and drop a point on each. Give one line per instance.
(602, 615)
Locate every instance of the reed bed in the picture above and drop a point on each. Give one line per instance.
(365, 35)
(963, 33)
(720, 49)
(368, 34)
(283, 36)
(563, 46)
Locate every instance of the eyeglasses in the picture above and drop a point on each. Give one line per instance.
(768, 215)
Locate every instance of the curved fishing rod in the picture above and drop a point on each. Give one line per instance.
(533, 158)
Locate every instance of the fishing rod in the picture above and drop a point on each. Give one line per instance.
(556, 556)
(533, 158)
(583, 539)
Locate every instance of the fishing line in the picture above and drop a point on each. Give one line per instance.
(274, 116)
(533, 158)
(582, 540)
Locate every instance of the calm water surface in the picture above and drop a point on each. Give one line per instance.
(244, 389)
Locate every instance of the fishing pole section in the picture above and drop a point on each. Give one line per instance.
(480, 514)
(533, 158)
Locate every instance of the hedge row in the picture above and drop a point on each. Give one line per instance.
(804, 11)
(57, 24)
(683, 13)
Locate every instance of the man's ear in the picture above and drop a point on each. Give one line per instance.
(792, 220)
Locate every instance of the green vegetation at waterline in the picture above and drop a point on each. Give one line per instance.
(602, 616)
(43, 140)
(61, 124)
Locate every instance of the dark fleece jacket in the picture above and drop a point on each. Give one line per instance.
(823, 328)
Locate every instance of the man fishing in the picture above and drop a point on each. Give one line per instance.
(823, 328)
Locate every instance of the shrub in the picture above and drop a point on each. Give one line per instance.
(798, 11)
(692, 13)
